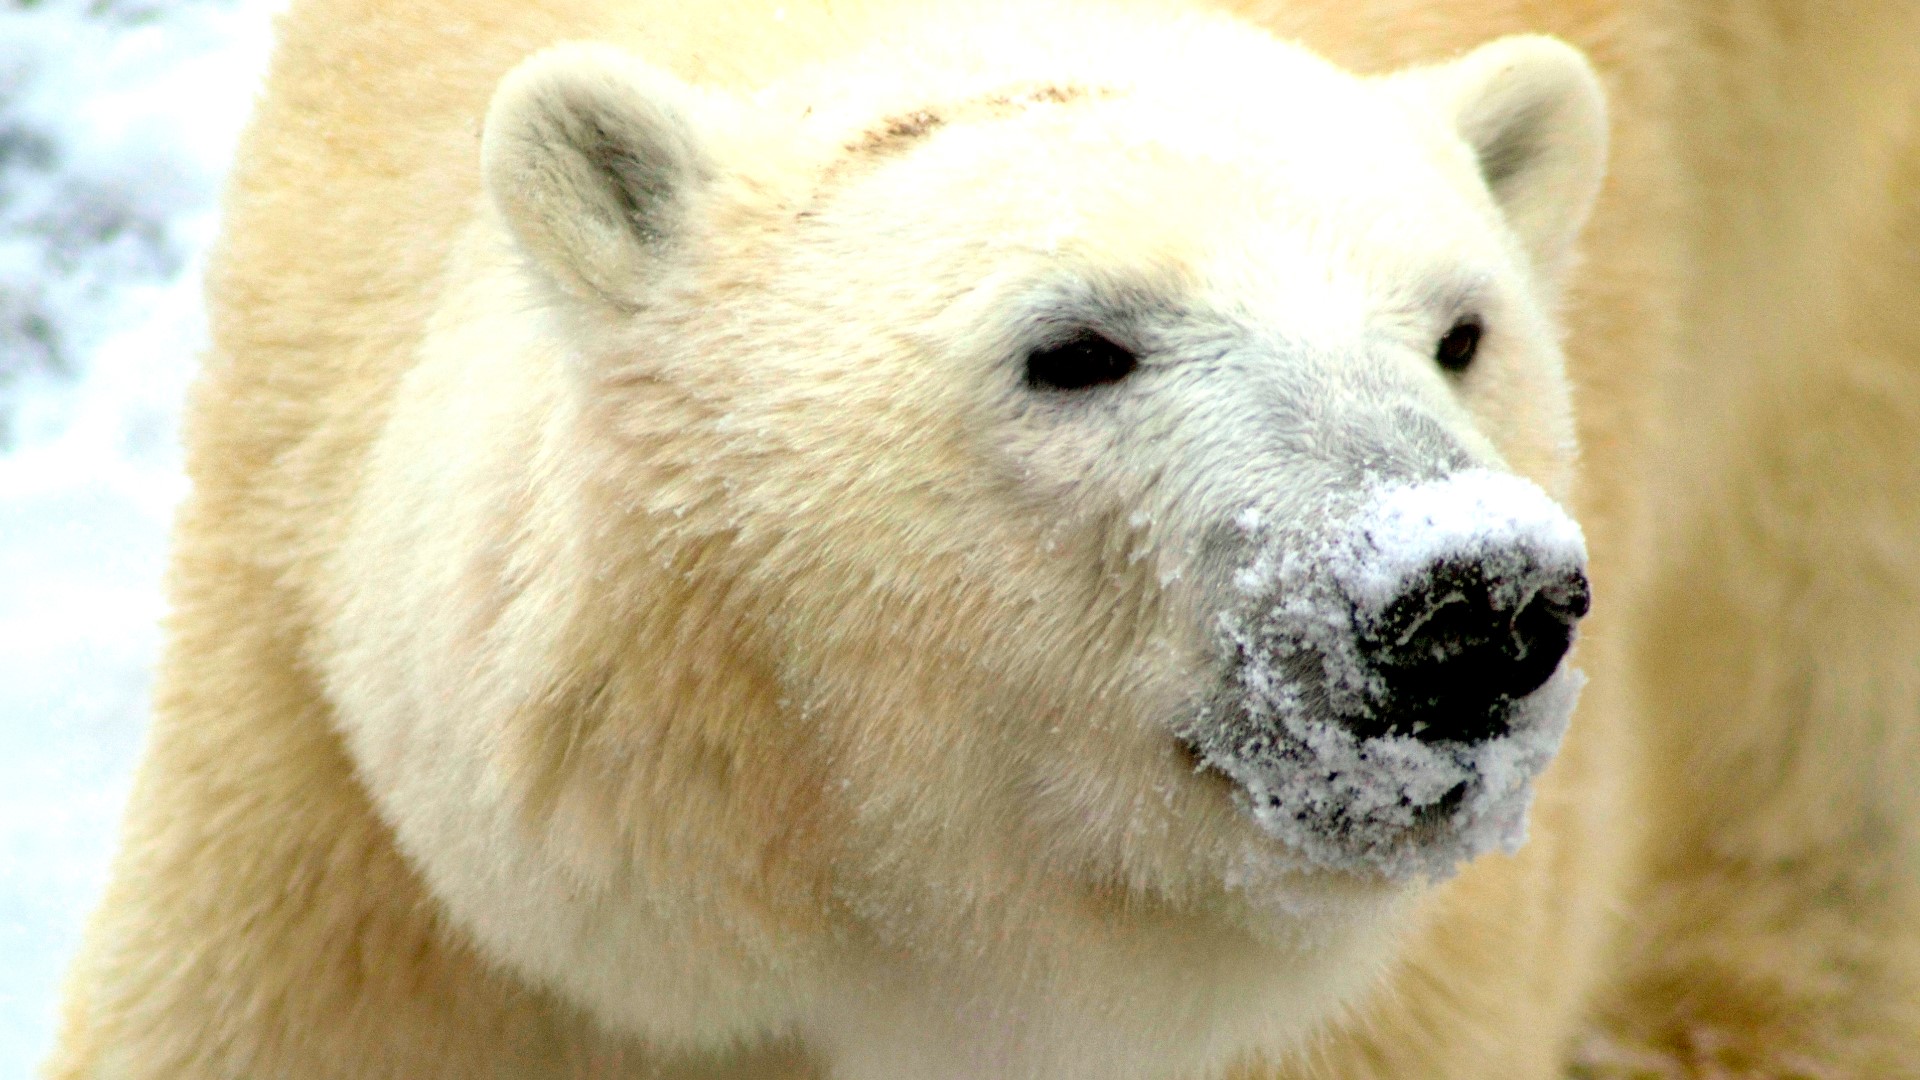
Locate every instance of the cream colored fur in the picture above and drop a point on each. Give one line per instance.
(571, 677)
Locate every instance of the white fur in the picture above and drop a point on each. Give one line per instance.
(1327, 248)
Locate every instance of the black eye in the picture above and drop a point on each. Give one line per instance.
(1459, 346)
(1083, 360)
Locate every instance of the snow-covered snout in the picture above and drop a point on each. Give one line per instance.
(1395, 670)
(1465, 600)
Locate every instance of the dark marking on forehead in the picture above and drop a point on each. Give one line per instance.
(901, 131)
(895, 133)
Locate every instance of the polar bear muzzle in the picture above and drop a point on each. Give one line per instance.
(1396, 676)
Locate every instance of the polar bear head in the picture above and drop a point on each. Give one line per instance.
(1118, 457)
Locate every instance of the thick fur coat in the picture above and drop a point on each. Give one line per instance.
(604, 645)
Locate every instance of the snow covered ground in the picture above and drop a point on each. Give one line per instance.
(117, 118)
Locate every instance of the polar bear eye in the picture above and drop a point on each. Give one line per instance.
(1084, 360)
(1459, 346)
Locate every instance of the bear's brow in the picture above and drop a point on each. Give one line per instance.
(903, 129)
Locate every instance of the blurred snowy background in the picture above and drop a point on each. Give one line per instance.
(117, 118)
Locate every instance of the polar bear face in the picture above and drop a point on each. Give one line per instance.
(1134, 472)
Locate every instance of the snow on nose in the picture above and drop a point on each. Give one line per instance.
(1463, 643)
(1397, 676)
(1466, 594)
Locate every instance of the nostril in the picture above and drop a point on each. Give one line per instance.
(1542, 634)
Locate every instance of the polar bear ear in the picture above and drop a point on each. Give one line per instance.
(1533, 112)
(592, 158)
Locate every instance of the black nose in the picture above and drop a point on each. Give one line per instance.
(1464, 640)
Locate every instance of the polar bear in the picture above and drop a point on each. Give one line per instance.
(960, 553)
(902, 540)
